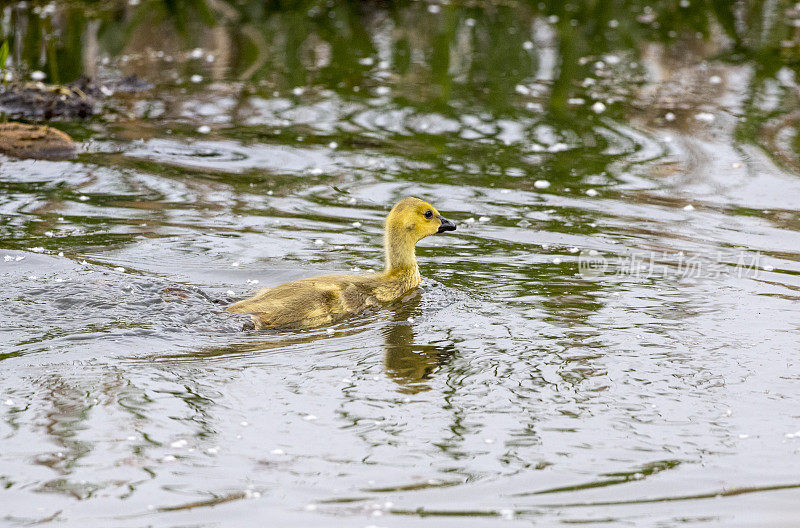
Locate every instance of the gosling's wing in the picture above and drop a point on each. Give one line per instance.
(290, 296)
(261, 301)
(357, 297)
(307, 301)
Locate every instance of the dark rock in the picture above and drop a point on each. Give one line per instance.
(77, 100)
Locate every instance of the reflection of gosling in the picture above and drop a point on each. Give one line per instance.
(321, 300)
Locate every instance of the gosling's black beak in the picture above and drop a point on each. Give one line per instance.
(447, 225)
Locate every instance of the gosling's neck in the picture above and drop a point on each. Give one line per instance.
(401, 258)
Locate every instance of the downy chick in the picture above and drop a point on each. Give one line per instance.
(317, 301)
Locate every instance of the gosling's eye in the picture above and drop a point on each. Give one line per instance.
(428, 214)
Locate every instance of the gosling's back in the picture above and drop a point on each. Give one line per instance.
(321, 300)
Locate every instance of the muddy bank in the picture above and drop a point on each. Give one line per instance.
(35, 141)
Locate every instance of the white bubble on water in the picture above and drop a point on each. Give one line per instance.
(705, 117)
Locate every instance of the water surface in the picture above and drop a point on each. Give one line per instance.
(608, 339)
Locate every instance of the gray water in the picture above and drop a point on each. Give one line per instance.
(618, 347)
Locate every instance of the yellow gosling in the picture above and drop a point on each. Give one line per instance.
(318, 301)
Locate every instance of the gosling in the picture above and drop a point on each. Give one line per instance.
(318, 301)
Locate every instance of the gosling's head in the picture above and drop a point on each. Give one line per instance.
(413, 219)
